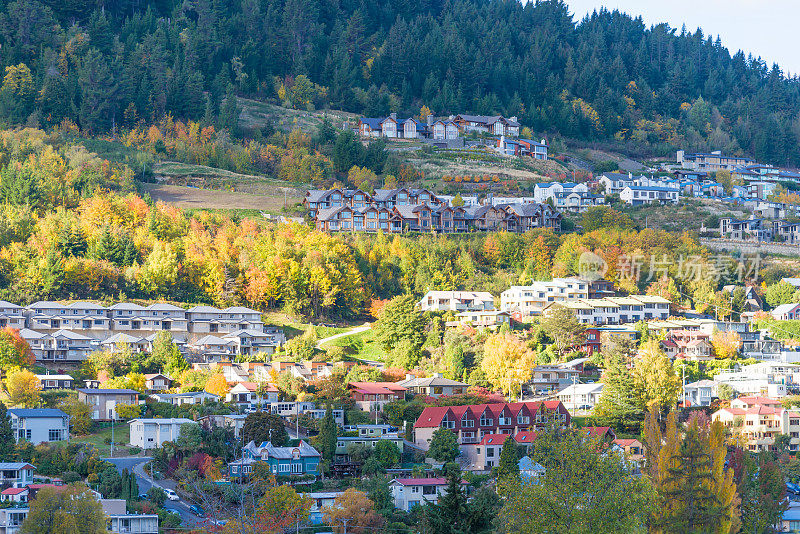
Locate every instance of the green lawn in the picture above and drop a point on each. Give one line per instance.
(98, 437)
(369, 349)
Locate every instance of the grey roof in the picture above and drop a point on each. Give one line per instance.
(86, 305)
(240, 309)
(121, 337)
(125, 306)
(6, 304)
(89, 391)
(27, 333)
(70, 335)
(430, 381)
(203, 309)
(211, 340)
(14, 465)
(163, 306)
(372, 122)
(249, 332)
(37, 412)
(305, 449)
(316, 195)
(187, 395)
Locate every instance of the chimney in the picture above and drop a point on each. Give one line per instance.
(409, 376)
(513, 119)
(451, 117)
(393, 115)
(430, 120)
(679, 156)
(438, 375)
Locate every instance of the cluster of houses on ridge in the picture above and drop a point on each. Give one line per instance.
(18, 488)
(419, 210)
(67, 333)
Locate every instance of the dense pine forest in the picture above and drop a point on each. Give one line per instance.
(109, 65)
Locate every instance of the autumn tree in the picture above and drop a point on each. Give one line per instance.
(279, 508)
(695, 492)
(23, 388)
(354, 508)
(507, 362)
(80, 414)
(217, 385)
(71, 508)
(128, 411)
(762, 491)
(14, 351)
(726, 344)
(654, 378)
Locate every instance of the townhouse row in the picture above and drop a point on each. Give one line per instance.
(419, 210)
(760, 229)
(453, 127)
(60, 332)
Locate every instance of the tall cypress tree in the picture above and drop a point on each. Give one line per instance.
(7, 441)
(327, 436)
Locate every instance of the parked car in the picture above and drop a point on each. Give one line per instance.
(171, 495)
(197, 510)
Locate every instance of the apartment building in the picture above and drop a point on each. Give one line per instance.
(471, 423)
(710, 162)
(39, 425)
(457, 301)
(617, 310)
(152, 433)
(759, 420)
(103, 402)
(527, 301)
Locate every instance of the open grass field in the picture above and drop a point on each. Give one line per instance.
(193, 197)
(256, 114)
(689, 214)
(98, 437)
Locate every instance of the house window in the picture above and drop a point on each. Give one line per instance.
(414, 489)
(490, 452)
(54, 435)
(486, 421)
(429, 490)
(284, 468)
(297, 468)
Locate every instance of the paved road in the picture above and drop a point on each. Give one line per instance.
(356, 330)
(136, 464)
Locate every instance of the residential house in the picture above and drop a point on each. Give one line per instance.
(55, 381)
(445, 129)
(249, 342)
(483, 455)
(434, 386)
(157, 382)
(119, 521)
(581, 397)
(14, 496)
(481, 319)
(700, 393)
(190, 397)
(11, 519)
(368, 436)
(409, 493)
(372, 396)
(122, 341)
(457, 301)
(550, 378)
(637, 195)
(103, 402)
(544, 191)
(633, 451)
(212, 348)
(246, 395)
(39, 425)
(62, 346)
(283, 461)
(614, 182)
(233, 421)
(617, 310)
(11, 315)
(369, 127)
(320, 500)
(786, 312)
(533, 149)
(752, 229)
(495, 125)
(16, 474)
(470, 423)
(152, 433)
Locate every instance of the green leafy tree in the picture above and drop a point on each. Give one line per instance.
(156, 496)
(263, 426)
(80, 414)
(326, 438)
(508, 465)
(619, 406)
(444, 446)
(762, 492)
(400, 320)
(387, 453)
(451, 514)
(583, 489)
(780, 293)
(562, 326)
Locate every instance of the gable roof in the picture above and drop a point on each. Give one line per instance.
(32, 413)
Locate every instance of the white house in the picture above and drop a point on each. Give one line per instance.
(546, 190)
(524, 301)
(581, 397)
(410, 492)
(39, 425)
(152, 433)
(120, 521)
(615, 182)
(16, 474)
(457, 301)
(246, 395)
(637, 195)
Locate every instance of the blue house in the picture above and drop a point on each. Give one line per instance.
(530, 471)
(301, 460)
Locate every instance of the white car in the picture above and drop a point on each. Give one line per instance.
(171, 495)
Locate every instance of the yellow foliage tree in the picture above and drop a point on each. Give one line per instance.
(217, 385)
(654, 378)
(726, 344)
(507, 362)
(23, 388)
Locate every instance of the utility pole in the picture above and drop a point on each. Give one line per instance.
(345, 521)
(112, 434)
